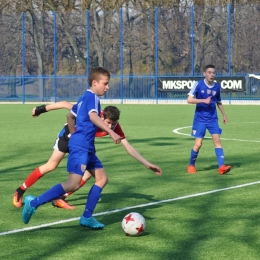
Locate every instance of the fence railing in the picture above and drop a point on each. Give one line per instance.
(48, 55)
(142, 88)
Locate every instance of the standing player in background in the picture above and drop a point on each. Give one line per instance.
(206, 95)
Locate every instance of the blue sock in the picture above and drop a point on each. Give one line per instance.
(220, 156)
(193, 157)
(93, 197)
(51, 194)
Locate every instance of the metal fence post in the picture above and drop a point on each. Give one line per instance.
(192, 35)
(229, 40)
(55, 56)
(156, 53)
(121, 57)
(23, 60)
(87, 45)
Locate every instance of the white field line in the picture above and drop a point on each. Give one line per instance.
(176, 131)
(130, 208)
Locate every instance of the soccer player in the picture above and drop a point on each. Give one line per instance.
(110, 115)
(82, 153)
(206, 95)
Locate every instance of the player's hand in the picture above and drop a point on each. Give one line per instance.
(157, 170)
(116, 138)
(33, 112)
(225, 120)
(207, 100)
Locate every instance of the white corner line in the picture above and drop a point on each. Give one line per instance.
(176, 131)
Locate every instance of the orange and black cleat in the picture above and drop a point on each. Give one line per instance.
(191, 169)
(224, 169)
(17, 200)
(61, 203)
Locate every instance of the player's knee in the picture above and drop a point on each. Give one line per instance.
(48, 167)
(71, 186)
(197, 146)
(217, 145)
(102, 182)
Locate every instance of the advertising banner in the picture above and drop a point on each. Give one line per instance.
(184, 84)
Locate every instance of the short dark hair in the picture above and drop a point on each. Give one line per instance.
(96, 73)
(209, 66)
(111, 112)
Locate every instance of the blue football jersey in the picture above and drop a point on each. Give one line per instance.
(83, 137)
(73, 111)
(206, 113)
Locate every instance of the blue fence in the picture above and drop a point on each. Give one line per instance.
(46, 56)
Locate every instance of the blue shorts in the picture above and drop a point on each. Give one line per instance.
(199, 129)
(79, 161)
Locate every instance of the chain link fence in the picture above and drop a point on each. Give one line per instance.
(46, 56)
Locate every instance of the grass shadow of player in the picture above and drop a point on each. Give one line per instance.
(112, 197)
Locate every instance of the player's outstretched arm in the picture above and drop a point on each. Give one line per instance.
(96, 120)
(221, 108)
(36, 111)
(135, 154)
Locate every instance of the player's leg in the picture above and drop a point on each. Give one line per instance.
(101, 180)
(35, 175)
(215, 132)
(84, 179)
(62, 203)
(222, 168)
(198, 131)
(32, 203)
(76, 159)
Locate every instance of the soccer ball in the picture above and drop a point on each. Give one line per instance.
(133, 224)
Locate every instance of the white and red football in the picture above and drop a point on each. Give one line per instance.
(133, 224)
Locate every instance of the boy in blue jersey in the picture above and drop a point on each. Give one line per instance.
(206, 95)
(82, 153)
(110, 115)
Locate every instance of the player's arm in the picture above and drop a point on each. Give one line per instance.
(221, 109)
(135, 154)
(192, 100)
(36, 111)
(96, 120)
(71, 120)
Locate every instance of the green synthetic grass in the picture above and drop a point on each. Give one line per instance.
(220, 225)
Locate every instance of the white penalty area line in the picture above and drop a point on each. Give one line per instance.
(176, 131)
(130, 208)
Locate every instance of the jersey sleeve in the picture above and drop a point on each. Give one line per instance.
(74, 109)
(88, 104)
(101, 133)
(193, 90)
(218, 97)
(118, 130)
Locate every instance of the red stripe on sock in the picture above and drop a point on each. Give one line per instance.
(32, 178)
